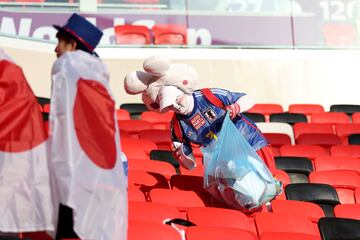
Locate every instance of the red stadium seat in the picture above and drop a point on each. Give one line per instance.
(170, 34)
(325, 140)
(178, 198)
(159, 120)
(330, 117)
(133, 127)
(160, 137)
(152, 212)
(309, 151)
(276, 140)
(357, 195)
(122, 114)
(135, 194)
(306, 109)
(132, 34)
(151, 165)
(266, 109)
(131, 144)
(343, 130)
(303, 128)
(309, 210)
(351, 150)
(292, 236)
(344, 181)
(138, 230)
(213, 233)
(347, 211)
(337, 163)
(356, 117)
(147, 180)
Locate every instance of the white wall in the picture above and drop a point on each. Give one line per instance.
(270, 76)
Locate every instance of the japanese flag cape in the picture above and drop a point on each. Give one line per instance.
(25, 202)
(85, 148)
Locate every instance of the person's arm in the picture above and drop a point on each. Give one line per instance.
(181, 148)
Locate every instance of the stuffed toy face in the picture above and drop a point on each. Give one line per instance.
(160, 72)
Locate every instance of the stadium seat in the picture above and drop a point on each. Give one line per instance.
(147, 180)
(255, 117)
(153, 166)
(214, 233)
(351, 150)
(133, 154)
(138, 230)
(135, 109)
(290, 118)
(133, 127)
(332, 228)
(159, 120)
(330, 117)
(136, 194)
(161, 137)
(347, 211)
(292, 236)
(220, 217)
(308, 151)
(357, 195)
(306, 109)
(164, 155)
(178, 198)
(322, 194)
(356, 117)
(170, 34)
(131, 144)
(344, 181)
(132, 34)
(343, 130)
(152, 212)
(298, 168)
(276, 127)
(337, 163)
(303, 128)
(309, 210)
(122, 114)
(276, 140)
(325, 140)
(284, 223)
(349, 109)
(266, 109)
(354, 139)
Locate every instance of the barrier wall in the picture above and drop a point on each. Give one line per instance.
(270, 76)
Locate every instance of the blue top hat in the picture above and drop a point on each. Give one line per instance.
(83, 31)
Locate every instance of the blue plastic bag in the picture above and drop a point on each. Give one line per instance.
(234, 173)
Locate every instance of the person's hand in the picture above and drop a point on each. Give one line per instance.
(234, 110)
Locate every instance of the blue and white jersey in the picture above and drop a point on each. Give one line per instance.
(205, 121)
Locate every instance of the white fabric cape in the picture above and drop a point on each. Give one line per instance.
(97, 195)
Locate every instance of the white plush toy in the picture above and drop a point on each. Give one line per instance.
(158, 73)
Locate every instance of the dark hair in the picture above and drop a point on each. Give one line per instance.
(69, 38)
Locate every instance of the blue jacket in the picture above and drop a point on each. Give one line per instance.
(206, 120)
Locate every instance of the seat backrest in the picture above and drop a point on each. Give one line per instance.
(347, 211)
(330, 117)
(255, 117)
(322, 139)
(343, 130)
(346, 108)
(139, 230)
(214, 233)
(132, 34)
(309, 151)
(135, 109)
(306, 109)
(298, 168)
(339, 228)
(356, 117)
(170, 34)
(290, 118)
(277, 127)
(354, 139)
(337, 163)
(351, 150)
(301, 128)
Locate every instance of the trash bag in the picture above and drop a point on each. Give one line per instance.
(235, 174)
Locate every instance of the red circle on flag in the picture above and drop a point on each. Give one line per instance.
(21, 123)
(94, 122)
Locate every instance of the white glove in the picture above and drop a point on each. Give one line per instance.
(186, 161)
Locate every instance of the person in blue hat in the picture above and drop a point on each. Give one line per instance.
(77, 34)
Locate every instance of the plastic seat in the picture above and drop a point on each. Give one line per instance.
(135, 109)
(255, 117)
(344, 181)
(337, 163)
(159, 120)
(266, 109)
(309, 210)
(325, 140)
(347, 211)
(220, 217)
(152, 166)
(276, 140)
(146, 180)
(131, 144)
(152, 212)
(349, 109)
(170, 34)
(357, 195)
(285, 223)
(351, 150)
(135, 194)
(178, 198)
(323, 195)
(133, 154)
(133, 127)
(160, 137)
(330, 117)
(292, 236)
(276, 127)
(122, 114)
(304, 128)
(298, 168)
(332, 228)
(138, 230)
(354, 139)
(306, 109)
(213, 233)
(132, 34)
(343, 130)
(308, 151)
(356, 117)
(164, 155)
(290, 118)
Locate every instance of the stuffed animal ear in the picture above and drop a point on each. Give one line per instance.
(157, 65)
(136, 82)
